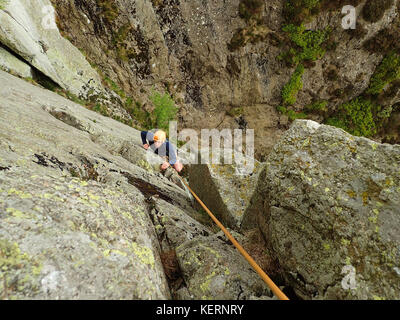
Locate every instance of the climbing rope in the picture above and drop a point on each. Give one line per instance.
(249, 259)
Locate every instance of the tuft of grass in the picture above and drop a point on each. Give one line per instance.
(165, 109)
(109, 9)
(114, 87)
(121, 43)
(101, 109)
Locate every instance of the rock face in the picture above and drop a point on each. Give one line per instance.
(182, 46)
(72, 224)
(215, 60)
(28, 29)
(84, 216)
(330, 210)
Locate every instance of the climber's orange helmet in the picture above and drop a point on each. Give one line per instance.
(160, 136)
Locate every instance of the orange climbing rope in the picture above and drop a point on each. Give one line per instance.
(249, 259)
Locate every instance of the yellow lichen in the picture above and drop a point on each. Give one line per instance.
(345, 242)
(18, 270)
(145, 254)
(205, 286)
(19, 214)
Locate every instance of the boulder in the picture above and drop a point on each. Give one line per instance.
(224, 189)
(213, 269)
(328, 204)
(29, 29)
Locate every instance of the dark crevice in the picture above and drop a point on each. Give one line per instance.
(289, 291)
(147, 189)
(169, 260)
(37, 75)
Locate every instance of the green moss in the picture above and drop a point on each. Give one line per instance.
(309, 43)
(282, 109)
(318, 106)
(387, 72)
(293, 115)
(236, 112)
(336, 122)
(295, 84)
(358, 117)
(327, 246)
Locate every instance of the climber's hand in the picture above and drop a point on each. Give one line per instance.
(146, 146)
(165, 165)
(178, 166)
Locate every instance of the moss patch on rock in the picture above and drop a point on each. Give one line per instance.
(387, 72)
(359, 117)
(307, 45)
(18, 271)
(295, 84)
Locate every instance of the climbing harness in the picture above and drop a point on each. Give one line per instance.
(275, 289)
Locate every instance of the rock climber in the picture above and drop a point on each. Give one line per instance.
(159, 143)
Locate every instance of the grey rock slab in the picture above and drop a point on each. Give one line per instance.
(328, 204)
